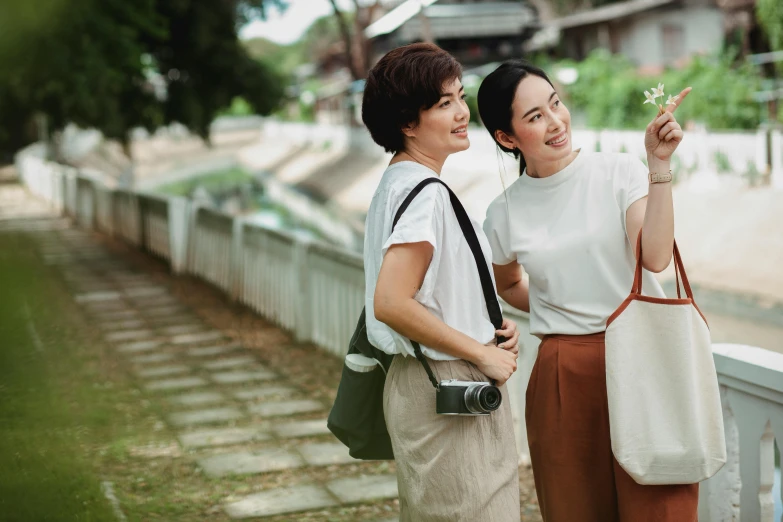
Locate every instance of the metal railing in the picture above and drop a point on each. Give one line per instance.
(316, 291)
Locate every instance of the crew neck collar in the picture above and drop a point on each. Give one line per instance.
(558, 177)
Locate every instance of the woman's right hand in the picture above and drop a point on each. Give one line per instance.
(497, 363)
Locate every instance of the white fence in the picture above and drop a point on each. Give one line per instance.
(317, 292)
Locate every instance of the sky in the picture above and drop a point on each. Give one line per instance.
(288, 26)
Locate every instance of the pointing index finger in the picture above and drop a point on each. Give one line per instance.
(680, 97)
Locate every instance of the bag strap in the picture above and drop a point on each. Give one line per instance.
(679, 271)
(490, 297)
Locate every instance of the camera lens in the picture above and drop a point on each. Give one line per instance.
(482, 398)
(490, 398)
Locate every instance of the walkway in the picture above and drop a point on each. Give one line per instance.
(245, 408)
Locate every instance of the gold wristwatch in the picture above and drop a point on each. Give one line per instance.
(658, 177)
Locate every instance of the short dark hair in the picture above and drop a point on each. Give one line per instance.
(404, 82)
(496, 96)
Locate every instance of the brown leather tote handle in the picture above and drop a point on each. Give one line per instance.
(679, 271)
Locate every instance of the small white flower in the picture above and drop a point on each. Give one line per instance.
(650, 97)
(658, 93)
(672, 99)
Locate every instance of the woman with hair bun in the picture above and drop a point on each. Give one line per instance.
(572, 220)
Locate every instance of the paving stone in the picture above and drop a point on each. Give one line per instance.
(280, 501)
(138, 346)
(238, 377)
(197, 338)
(144, 291)
(221, 437)
(127, 324)
(163, 371)
(115, 315)
(97, 296)
(326, 453)
(181, 329)
(100, 308)
(210, 416)
(106, 313)
(172, 320)
(162, 311)
(127, 283)
(153, 358)
(207, 351)
(231, 362)
(281, 408)
(352, 490)
(264, 392)
(92, 288)
(128, 335)
(249, 463)
(197, 399)
(176, 384)
(157, 303)
(307, 428)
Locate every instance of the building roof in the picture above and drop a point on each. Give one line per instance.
(608, 13)
(455, 20)
(396, 17)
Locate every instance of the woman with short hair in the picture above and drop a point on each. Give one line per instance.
(572, 220)
(422, 284)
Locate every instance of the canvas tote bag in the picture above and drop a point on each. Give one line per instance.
(665, 415)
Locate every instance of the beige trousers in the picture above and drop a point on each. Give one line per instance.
(449, 468)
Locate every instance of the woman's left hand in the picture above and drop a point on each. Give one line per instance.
(664, 134)
(511, 334)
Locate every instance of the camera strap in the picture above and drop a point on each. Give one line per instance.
(490, 297)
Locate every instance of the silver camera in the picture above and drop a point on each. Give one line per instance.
(467, 398)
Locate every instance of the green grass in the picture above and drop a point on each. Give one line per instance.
(217, 181)
(70, 414)
(45, 415)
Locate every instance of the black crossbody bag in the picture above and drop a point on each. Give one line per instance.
(357, 416)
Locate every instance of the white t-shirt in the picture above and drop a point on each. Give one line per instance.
(451, 289)
(568, 232)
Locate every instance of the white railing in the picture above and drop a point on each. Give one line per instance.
(317, 292)
(155, 225)
(268, 284)
(127, 217)
(335, 290)
(211, 247)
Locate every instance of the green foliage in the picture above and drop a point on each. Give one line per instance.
(321, 35)
(239, 107)
(215, 182)
(769, 14)
(95, 63)
(752, 174)
(722, 162)
(610, 92)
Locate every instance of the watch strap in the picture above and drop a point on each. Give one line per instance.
(660, 177)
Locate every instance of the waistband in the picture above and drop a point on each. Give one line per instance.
(587, 338)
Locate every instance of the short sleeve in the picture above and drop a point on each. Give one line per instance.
(637, 182)
(421, 221)
(497, 231)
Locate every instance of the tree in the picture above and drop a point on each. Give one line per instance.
(205, 64)
(96, 63)
(769, 13)
(357, 47)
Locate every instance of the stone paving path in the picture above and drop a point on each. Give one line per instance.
(231, 413)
